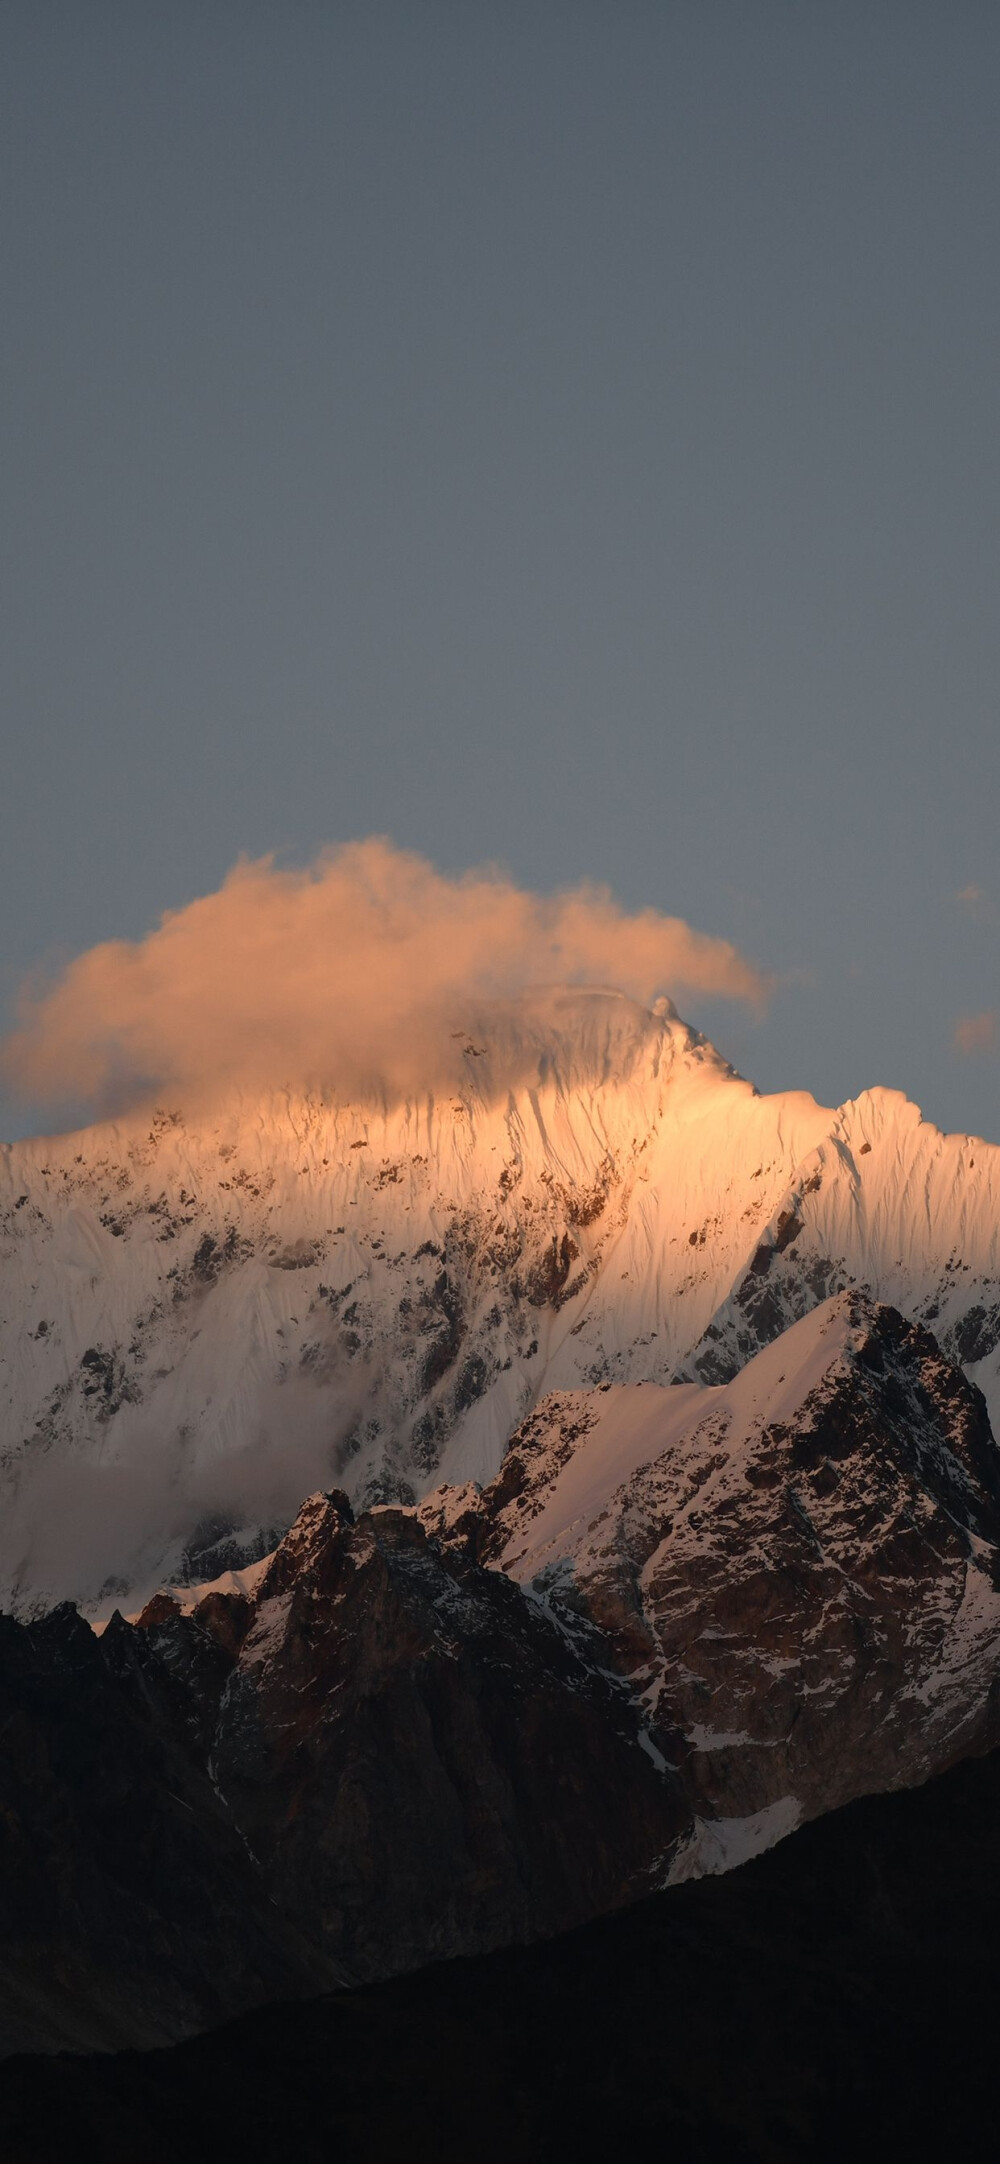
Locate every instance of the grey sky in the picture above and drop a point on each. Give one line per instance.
(562, 434)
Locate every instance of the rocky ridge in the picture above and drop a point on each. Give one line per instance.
(678, 1621)
(798, 1572)
(380, 1755)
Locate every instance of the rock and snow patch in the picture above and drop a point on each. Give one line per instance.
(722, 1844)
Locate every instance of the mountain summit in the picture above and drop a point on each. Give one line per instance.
(209, 1313)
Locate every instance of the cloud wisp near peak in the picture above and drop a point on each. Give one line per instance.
(347, 975)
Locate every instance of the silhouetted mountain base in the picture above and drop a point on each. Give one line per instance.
(835, 1997)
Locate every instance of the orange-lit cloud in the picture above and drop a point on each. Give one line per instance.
(977, 1032)
(347, 975)
(970, 897)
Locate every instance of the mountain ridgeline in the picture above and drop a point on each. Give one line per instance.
(207, 1315)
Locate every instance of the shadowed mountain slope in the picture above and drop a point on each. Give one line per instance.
(678, 1622)
(387, 1754)
(835, 1997)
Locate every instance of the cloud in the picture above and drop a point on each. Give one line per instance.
(69, 1525)
(970, 897)
(349, 975)
(977, 1032)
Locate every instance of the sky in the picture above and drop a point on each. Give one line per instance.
(561, 438)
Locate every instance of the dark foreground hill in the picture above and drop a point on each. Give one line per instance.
(836, 1997)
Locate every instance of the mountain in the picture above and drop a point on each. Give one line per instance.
(382, 1754)
(679, 1621)
(835, 1997)
(207, 1313)
(651, 1509)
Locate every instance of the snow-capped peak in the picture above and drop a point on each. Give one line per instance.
(209, 1313)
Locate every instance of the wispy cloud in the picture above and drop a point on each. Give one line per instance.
(347, 975)
(977, 904)
(977, 1032)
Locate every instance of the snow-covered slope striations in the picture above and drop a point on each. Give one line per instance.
(206, 1315)
(888, 1201)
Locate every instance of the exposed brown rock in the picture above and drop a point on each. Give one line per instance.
(161, 1609)
(811, 1604)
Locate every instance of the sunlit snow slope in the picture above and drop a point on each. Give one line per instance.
(205, 1316)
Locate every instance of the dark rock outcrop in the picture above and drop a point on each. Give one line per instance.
(130, 1911)
(420, 1760)
(386, 1755)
